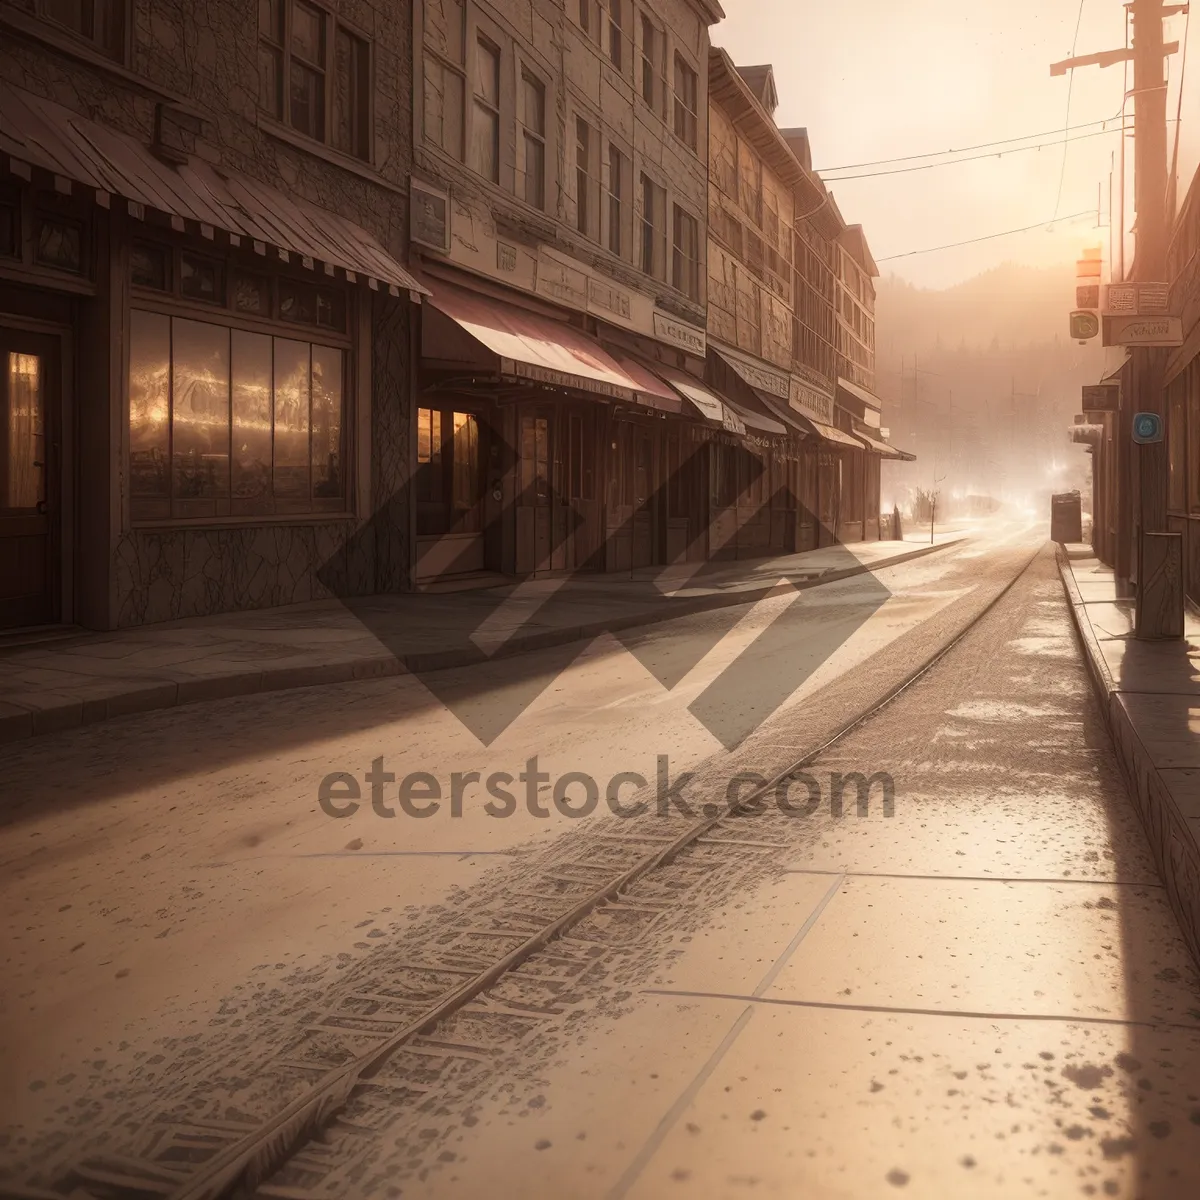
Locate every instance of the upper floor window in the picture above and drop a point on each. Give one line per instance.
(315, 74)
(616, 33)
(445, 78)
(533, 122)
(685, 102)
(485, 117)
(101, 22)
(654, 228)
(616, 197)
(587, 200)
(685, 264)
(650, 40)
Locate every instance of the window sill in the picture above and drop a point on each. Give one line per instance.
(46, 277)
(260, 521)
(35, 29)
(346, 162)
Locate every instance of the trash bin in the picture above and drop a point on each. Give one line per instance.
(1066, 518)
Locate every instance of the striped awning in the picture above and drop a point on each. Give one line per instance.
(78, 151)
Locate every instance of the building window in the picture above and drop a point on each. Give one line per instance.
(685, 102)
(58, 243)
(315, 74)
(587, 214)
(685, 260)
(445, 78)
(101, 22)
(654, 229)
(533, 121)
(649, 60)
(616, 33)
(616, 193)
(485, 117)
(229, 422)
(150, 267)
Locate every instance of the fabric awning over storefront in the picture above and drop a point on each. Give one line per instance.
(758, 421)
(38, 133)
(876, 446)
(827, 433)
(650, 389)
(542, 350)
(702, 398)
(854, 397)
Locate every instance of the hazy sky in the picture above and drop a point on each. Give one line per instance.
(878, 79)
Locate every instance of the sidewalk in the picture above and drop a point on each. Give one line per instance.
(1150, 693)
(78, 679)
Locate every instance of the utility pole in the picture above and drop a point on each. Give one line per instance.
(1155, 613)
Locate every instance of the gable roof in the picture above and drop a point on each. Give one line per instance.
(761, 81)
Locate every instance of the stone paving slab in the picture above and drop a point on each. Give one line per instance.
(52, 685)
(1150, 695)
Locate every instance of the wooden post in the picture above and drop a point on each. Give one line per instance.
(1160, 587)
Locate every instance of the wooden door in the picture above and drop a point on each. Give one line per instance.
(30, 521)
(534, 500)
(643, 497)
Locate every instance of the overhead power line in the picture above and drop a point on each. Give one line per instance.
(952, 162)
(987, 237)
(883, 162)
(1062, 174)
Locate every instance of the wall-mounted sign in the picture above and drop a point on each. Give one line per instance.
(811, 402)
(1102, 397)
(429, 220)
(1147, 428)
(1136, 299)
(1143, 331)
(1084, 325)
(680, 333)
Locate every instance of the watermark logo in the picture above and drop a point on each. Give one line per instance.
(559, 531)
(574, 794)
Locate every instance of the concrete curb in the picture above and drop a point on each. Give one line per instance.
(1176, 854)
(150, 694)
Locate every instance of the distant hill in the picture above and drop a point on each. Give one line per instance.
(1011, 305)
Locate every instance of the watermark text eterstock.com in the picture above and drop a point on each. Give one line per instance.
(421, 794)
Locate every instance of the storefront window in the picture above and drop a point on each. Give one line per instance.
(250, 424)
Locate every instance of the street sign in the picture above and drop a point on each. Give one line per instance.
(1101, 397)
(1147, 428)
(1084, 325)
(1143, 331)
(1136, 299)
(1087, 295)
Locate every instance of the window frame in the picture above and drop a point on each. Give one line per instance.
(685, 117)
(653, 196)
(618, 200)
(540, 137)
(278, 42)
(616, 37)
(483, 42)
(116, 49)
(685, 222)
(588, 219)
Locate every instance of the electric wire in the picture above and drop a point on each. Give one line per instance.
(987, 237)
(975, 157)
(1062, 174)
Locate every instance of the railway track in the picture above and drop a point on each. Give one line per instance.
(364, 1083)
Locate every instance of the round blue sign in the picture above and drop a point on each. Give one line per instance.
(1147, 427)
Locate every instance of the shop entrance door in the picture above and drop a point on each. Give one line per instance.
(30, 520)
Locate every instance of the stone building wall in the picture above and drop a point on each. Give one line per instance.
(202, 61)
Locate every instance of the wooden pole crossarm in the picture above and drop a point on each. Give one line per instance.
(1106, 58)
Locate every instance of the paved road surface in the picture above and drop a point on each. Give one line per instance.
(173, 891)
